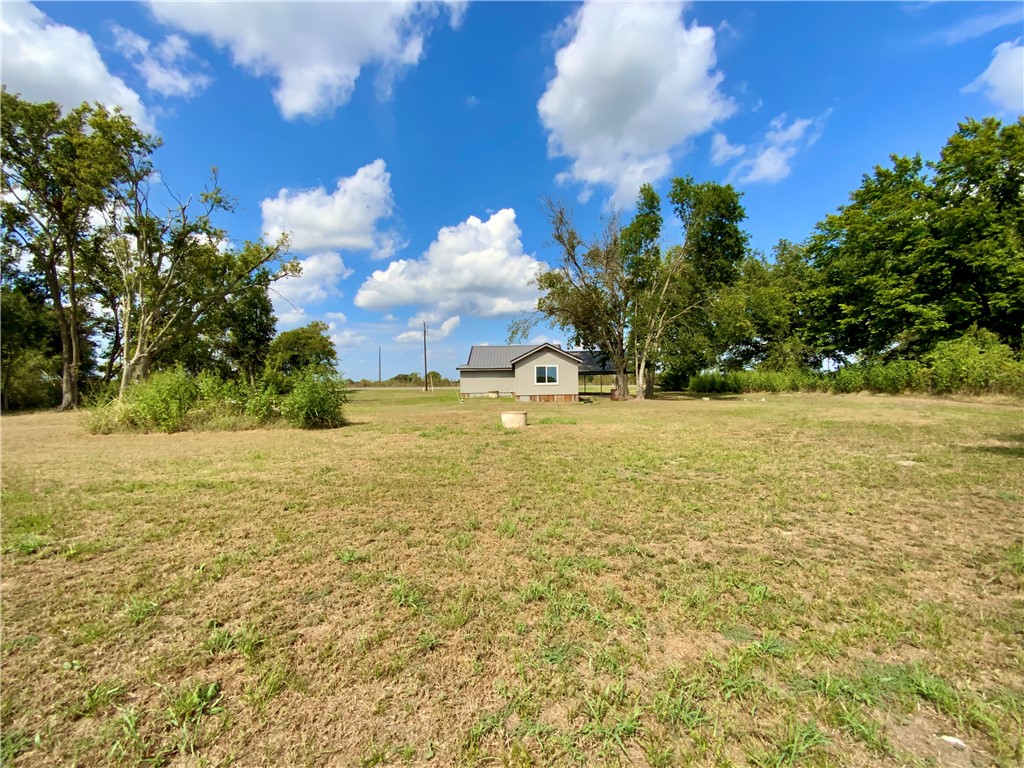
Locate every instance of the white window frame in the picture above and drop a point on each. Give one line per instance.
(545, 383)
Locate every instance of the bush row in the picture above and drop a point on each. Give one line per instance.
(175, 401)
(974, 364)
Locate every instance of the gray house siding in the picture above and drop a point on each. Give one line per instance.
(525, 375)
(472, 383)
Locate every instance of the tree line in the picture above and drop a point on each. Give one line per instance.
(108, 275)
(924, 254)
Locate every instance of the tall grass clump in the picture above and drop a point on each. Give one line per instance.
(976, 363)
(161, 403)
(315, 401)
(896, 376)
(713, 382)
(787, 380)
(175, 401)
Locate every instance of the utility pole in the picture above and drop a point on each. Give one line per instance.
(424, 355)
(378, 365)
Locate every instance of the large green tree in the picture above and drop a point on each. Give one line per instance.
(760, 319)
(297, 350)
(27, 346)
(173, 271)
(59, 170)
(922, 252)
(706, 264)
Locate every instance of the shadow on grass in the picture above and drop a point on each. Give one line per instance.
(697, 396)
(1015, 450)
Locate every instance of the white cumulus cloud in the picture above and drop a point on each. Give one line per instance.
(345, 338)
(722, 151)
(316, 51)
(345, 218)
(46, 61)
(1003, 81)
(318, 282)
(163, 66)
(475, 268)
(771, 159)
(633, 84)
(434, 334)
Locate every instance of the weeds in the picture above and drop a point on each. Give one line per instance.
(187, 710)
(99, 697)
(137, 610)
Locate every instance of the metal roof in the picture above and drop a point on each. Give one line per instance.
(494, 358)
(499, 358)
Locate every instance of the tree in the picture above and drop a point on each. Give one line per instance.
(914, 259)
(232, 340)
(26, 349)
(979, 229)
(868, 258)
(58, 171)
(760, 319)
(587, 294)
(297, 350)
(698, 274)
(248, 322)
(175, 271)
(669, 287)
(649, 280)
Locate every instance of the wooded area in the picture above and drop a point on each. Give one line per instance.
(103, 285)
(108, 276)
(924, 266)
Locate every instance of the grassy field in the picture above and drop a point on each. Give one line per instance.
(795, 580)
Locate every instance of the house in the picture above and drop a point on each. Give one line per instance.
(528, 372)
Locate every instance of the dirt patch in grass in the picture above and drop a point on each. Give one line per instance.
(674, 582)
(928, 738)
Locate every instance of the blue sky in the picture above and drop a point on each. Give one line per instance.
(407, 147)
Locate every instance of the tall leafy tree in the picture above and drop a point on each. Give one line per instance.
(760, 320)
(588, 293)
(27, 343)
(869, 257)
(650, 279)
(174, 271)
(249, 323)
(58, 171)
(713, 247)
(923, 252)
(299, 349)
(978, 188)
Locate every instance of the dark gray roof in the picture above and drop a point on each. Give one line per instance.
(494, 358)
(592, 362)
(499, 358)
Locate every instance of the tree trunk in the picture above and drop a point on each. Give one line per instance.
(69, 373)
(76, 342)
(622, 383)
(641, 372)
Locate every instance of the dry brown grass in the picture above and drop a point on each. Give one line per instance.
(803, 580)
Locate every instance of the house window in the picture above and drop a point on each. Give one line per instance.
(547, 374)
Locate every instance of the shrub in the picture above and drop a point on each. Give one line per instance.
(315, 401)
(849, 378)
(715, 383)
(162, 402)
(975, 363)
(787, 380)
(895, 377)
(262, 405)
